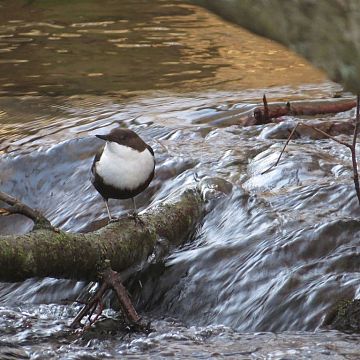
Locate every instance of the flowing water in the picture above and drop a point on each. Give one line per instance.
(269, 260)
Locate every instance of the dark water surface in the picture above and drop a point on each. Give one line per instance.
(271, 258)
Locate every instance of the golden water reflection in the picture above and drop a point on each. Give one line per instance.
(92, 47)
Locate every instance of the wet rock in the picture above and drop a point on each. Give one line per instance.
(213, 187)
(346, 317)
(278, 131)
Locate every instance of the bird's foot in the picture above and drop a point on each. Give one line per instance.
(136, 218)
(113, 219)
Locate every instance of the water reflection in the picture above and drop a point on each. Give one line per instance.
(71, 48)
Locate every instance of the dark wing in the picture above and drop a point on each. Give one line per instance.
(150, 149)
(96, 159)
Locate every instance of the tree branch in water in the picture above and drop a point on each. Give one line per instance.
(268, 112)
(17, 207)
(45, 252)
(111, 279)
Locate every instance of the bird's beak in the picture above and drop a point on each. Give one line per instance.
(102, 137)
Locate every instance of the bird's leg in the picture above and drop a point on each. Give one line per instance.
(111, 219)
(134, 205)
(135, 213)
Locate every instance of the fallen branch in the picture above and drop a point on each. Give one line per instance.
(45, 252)
(110, 279)
(17, 207)
(264, 115)
(248, 116)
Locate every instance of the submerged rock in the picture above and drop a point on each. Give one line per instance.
(346, 317)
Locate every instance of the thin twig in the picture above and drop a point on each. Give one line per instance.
(291, 135)
(91, 312)
(351, 146)
(99, 312)
(87, 308)
(357, 119)
(111, 280)
(353, 149)
(283, 149)
(327, 135)
(123, 297)
(17, 207)
(266, 109)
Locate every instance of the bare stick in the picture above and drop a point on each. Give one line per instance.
(351, 146)
(353, 149)
(17, 207)
(266, 109)
(91, 312)
(111, 280)
(87, 308)
(122, 294)
(327, 135)
(99, 312)
(283, 149)
(313, 128)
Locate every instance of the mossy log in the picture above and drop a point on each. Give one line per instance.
(50, 252)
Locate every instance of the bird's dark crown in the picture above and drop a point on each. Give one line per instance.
(125, 137)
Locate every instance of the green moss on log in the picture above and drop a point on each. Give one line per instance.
(45, 252)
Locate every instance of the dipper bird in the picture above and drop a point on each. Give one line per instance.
(123, 168)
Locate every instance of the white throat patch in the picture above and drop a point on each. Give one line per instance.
(124, 167)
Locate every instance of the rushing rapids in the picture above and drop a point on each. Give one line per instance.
(275, 251)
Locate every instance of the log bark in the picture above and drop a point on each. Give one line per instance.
(17, 207)
(264, 114)
(110, 279)
(272, 111)
(50, 252)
